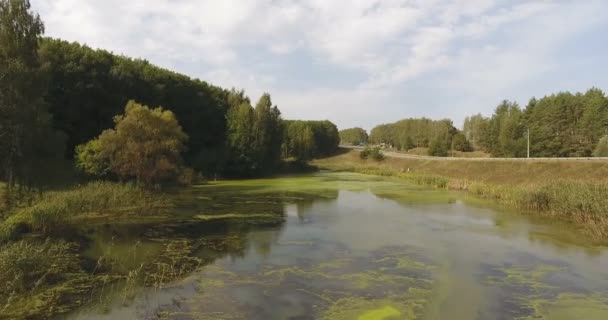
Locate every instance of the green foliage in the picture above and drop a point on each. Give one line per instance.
(29, 146)
(87, 88)
(353, 136)
(146, 144)
(460, 143)
(299, 141)
(56, 209)
(304, 140)
(410, 133)
(373, 153)
(438, 147)
(475, 130)
(601, 150)
(561, 125)
(241, 159)
(92, 159)
(267, 134)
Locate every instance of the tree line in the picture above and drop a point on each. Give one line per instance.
(438, 135)
(305, 140)
(353, 136)
(559, 125)
(64, 102)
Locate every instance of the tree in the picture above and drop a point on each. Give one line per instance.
(475, 131)
(438, 147)
(300, 141)
(601, 150)
(353, 136)
(409, 133)
(28, 144)
(267, 134)
(506, 131)
(146, 145)
(87, 88)
(240, 160)
(304, 140)
(460, 143)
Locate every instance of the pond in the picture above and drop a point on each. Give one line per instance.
(347, 246)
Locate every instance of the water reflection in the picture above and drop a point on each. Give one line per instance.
(336, 246)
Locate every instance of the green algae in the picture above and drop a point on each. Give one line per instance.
(385, 312)
(408, 306)
(531, 290)
(238, 216)
(236, 260)
(524, 276)
(571, 306)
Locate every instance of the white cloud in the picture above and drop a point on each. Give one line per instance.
(462, 44)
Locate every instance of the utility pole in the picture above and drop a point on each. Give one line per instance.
(528, 142)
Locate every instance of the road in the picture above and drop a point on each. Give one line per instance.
(400, 155)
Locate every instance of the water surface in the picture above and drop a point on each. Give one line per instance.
(347, 246)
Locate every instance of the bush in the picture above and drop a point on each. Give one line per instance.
(601, 150)
(438, 148)
(373, 153)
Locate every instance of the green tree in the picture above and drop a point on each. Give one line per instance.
(240, 160)
(460, 143)
(305, 140)
(475, 131)
(28, 144)
(506, 131)
(146, 145)
(438, 147)
(267, 134)
(87, 88)
(353, 136)
(409, 133)
(601, 150)
(299, 141)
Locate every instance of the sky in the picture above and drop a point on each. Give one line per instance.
(357, 62)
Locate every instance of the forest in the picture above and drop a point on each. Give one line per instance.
(559, 125)
(58, 99)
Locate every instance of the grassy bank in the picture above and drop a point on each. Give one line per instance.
(54, 211)
(44, 271)
(572, 191)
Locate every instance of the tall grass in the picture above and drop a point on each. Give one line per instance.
(94, 199)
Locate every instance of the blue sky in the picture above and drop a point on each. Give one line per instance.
(357, 62)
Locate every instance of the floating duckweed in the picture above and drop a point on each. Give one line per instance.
(407, 306)
(530, 277)
(380, 314)
(229, 216)
(571, 306)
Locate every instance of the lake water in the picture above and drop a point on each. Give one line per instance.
(347, 246)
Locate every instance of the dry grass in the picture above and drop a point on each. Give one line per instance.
(492, 172)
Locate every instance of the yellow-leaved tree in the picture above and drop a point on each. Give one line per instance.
(145, 145)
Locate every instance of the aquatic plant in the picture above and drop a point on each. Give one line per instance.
(42, 279)
(96, 199)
